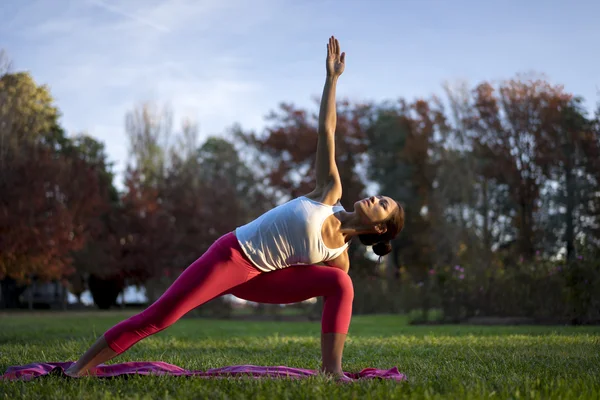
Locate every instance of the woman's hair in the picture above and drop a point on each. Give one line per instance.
(381, 242)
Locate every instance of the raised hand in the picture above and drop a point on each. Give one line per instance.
(336, 62)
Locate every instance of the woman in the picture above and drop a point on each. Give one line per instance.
(274, 258)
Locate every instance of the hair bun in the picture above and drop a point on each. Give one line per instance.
(382, 248)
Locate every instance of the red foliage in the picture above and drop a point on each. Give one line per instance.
(45, 202)
(290, 142)
(145, 232)
(515, 128)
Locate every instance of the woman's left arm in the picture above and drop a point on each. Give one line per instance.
(341, 262)
(328, 186)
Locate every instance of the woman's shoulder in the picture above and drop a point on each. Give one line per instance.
(322, 197)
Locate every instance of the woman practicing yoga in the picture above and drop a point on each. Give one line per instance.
(274, 259)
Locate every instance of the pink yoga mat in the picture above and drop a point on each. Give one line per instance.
(34, 370)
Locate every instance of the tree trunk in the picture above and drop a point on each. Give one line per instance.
(570, 200)
(64, 297)
(10, 293)
(30, 297)
(105, 290)
(526, 231)
(487, 237)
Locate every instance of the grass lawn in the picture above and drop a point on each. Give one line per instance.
(458, 362)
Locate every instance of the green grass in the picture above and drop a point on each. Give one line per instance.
(458, 362)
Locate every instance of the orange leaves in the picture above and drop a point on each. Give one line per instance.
(289, 143)
(43, 213)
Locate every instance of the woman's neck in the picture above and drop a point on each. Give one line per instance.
(350, 224)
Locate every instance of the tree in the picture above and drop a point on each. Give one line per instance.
(27, 114)
(45, 195)
(149, 129)
(477, 203)
(147, 227)
(507, 126)
(404, 153)
(99, 258)
(222, 169)
(289, 146)
(404, 147)
(569, 153)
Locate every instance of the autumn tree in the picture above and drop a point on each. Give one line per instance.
(100, 256)
(508, 124)
(568, 154)
(477, 202)
(46, 194)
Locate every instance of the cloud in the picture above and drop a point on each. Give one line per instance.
(131, 16)
(102, 57)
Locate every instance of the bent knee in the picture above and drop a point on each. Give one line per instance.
(343, 282)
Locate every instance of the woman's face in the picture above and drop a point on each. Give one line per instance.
(375, 209)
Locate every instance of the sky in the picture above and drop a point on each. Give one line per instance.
(221, 62)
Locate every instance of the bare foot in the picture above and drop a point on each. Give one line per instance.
(331, 372)
(336, 376)
(74, 373)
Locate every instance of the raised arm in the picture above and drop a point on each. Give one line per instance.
(329, 188)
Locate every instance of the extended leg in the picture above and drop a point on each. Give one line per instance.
(218, 270)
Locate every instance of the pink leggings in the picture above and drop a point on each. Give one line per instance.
(225, 269)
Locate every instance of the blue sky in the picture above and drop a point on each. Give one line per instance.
(226, 61)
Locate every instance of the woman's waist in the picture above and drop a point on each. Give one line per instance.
(282, 251)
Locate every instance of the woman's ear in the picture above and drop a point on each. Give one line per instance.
(380, 229)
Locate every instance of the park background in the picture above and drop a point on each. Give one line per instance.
(133, 135)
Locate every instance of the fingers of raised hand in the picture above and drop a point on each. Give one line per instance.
(334, 46)
(333, 49)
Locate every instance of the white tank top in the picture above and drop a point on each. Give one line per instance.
(289, 234)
